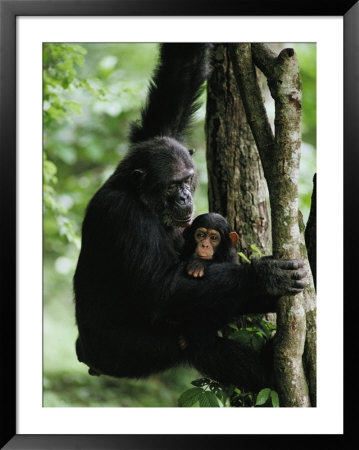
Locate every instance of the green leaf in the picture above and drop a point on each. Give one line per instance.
(256, 250)
(242, 336)
(242, 255)
(208, 400)
(190, 397)
(275, 399)
(262, 396)
(257, 341)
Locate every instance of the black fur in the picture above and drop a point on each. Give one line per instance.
(129, 278)
(174, 92)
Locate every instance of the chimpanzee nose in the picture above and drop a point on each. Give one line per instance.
(183, 198)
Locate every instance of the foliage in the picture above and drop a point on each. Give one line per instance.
(308, 67)
(211, 394)
(267, 397)
(256, 254)
(307, 57)
(59, 75)
(52, 205)
(206, 390)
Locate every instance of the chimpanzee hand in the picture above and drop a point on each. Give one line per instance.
(278, 277)
(195, 268)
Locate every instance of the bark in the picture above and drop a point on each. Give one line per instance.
(280, 155)
(236, 184)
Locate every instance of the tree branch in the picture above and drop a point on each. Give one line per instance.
(264, 58)
(257, 118)
(280, 157)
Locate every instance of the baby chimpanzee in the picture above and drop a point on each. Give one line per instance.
(208, 240)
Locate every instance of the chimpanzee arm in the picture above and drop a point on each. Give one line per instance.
(243, 288)
(197, 266)
(134, 268)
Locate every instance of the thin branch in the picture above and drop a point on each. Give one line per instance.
(245, 75)
(264, 58)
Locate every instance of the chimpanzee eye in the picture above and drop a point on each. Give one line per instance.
(214, 238)
(200, 235)
(172, 187)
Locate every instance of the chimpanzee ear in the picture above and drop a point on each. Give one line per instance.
(233, 236)
(138, 175)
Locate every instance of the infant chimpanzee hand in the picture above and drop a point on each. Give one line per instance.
(195, 268)
(278, 277)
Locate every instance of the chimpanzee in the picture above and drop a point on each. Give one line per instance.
(208, 240)
(129, 278)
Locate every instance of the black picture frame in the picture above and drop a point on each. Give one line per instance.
(10, 9)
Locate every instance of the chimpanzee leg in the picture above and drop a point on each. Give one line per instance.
(230, 362)
(129, 353)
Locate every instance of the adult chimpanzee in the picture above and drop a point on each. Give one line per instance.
(208, 240)
(129, 279)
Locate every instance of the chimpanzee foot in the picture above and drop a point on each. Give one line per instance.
(183, 344)
(94, 372)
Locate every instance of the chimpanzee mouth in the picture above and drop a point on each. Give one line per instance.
(183, 221)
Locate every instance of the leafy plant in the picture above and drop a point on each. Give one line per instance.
(267, 397)
(209, 393)
(256, 253)
(52, 204)
(255, 336)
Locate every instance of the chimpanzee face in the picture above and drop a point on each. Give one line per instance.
(207, 241)
(209, 237)
(168, 180)
(178, 199)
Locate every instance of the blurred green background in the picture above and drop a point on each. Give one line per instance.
(91, 93)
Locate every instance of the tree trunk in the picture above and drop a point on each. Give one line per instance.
(236, 184)
(280, 155)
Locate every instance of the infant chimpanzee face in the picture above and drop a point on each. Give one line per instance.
(207, 242)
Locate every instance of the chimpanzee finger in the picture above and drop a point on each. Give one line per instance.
(300, 284)
(290, 264)
(299, 274)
